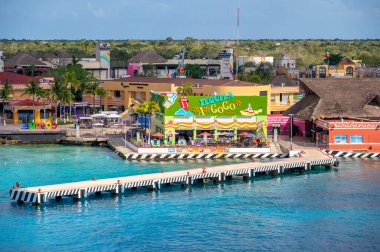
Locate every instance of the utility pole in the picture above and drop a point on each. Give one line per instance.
(237, 42)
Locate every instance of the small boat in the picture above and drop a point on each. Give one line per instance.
(249, 111)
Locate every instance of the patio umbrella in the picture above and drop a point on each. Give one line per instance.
(158, 134)
(249, 135)
(243, 133)
(230, 135)
(205, 134)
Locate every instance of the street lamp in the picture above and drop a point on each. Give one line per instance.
(291, 131)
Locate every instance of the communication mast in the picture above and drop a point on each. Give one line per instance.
(181, 71)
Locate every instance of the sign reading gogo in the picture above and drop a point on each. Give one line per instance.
(220, 105)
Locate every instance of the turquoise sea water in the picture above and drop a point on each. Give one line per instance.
(335, 210)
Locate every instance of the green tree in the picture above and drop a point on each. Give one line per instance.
(334, 59)
(6, 95)
(186, 89)
(264, 71)
(58, 94)
(194, 71)
(34, 90)
(153, 107)
(92, 89)
(145, 109)
(255, 78)
(101, 92)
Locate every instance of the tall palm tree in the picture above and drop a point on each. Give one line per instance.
(58, 91)
(6, 95)
(153, 107)
(92, 89)
(35, 91)
(102, 93)
(73, 82)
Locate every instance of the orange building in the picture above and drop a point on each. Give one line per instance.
(350, 134)
(21, 106)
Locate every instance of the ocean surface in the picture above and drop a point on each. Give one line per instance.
(335, 210)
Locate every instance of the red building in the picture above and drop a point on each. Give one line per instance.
(349, 134)
(345, 113)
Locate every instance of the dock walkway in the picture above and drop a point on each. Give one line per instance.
(78, 190)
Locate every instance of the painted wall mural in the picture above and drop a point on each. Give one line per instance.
(218, 105)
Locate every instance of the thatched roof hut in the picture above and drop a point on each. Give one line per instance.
(335, 98)
(148, 57)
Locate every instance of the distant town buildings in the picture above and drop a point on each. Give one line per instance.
(255, 59)
(285, 61)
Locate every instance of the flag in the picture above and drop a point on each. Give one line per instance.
(327, 55)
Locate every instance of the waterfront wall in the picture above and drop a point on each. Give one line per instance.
(32, 137)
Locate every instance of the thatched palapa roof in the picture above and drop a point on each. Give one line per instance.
(335, 98)
(24, 59)
(147, 57)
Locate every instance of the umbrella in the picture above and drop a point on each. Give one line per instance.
(250, 135)
(158, 134)
(230, 134)
(243, 133)
(205, 134)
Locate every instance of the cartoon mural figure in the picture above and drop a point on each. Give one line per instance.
(250, 112)
(171, 97)
(184, 103)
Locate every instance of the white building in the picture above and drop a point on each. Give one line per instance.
(255, 59)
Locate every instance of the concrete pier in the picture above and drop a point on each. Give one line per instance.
(79, 190)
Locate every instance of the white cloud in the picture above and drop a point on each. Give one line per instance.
(96, 11)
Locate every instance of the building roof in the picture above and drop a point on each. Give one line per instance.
(346, 61)
(15, 78)
(180, 81)
(335, 98)
(279, 80)
(23, 59)
(27, 103)
(147, 57)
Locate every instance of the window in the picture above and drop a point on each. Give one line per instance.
(263, 93)
(356, 139)
(117, 94)
(340, 139)
(349, 71)
(273, 97)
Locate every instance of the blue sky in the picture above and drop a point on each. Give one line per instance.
(202, 19)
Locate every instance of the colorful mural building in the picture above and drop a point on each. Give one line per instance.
(189, 116)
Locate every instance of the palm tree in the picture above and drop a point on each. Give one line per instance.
(186, 89)
(153, 107)
(35, 91)
(58, 93)
(102, 93)
(6, 95)
(92, 88)
(71, 79)
(142, 109)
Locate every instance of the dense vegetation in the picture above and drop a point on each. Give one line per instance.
(307, 52)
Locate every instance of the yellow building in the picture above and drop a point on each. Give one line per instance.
(345, 69)
(283, 91)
